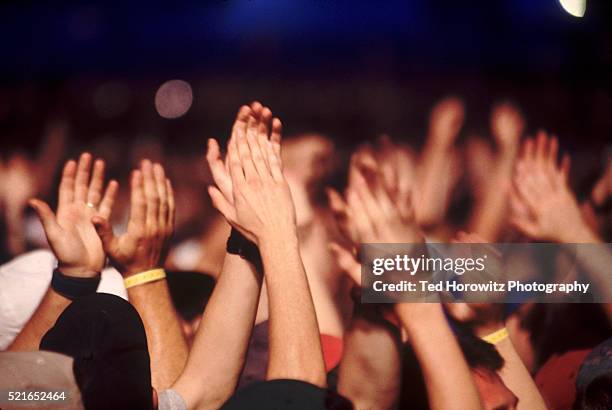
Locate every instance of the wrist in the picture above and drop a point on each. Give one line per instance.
(284, 239)
(144, 277)
(77, 271)
(581, 235)
(420, 317)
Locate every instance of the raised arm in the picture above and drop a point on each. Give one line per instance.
(218, 353)
(140, 249)
(263, 211)
(370, 369)
(435, 179)
(378, 219)
(487, 318)
(73, 239)
(489, 214)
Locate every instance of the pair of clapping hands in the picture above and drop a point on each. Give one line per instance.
(80, 234)
(251, 191)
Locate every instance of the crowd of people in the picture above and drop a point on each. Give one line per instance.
(161, 295)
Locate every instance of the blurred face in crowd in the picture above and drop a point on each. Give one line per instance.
(306, 160)
(494, 394)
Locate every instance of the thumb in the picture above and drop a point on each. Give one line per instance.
(46, 216)
(105, 232)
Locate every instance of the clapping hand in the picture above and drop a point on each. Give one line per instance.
(144, 245)
(544, 206)
(255, 199)
(70, 231)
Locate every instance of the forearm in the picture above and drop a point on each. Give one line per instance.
(595, 260)
(370, 370)
(516, 376)
(434, 161)
(218, 353)
(167, 346)
(295, 345)
(446, 373)
(43, 319)
(488, 215)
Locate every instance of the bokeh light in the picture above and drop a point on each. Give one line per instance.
(173, 99)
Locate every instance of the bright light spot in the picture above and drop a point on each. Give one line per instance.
(574, 7)
(173, 99)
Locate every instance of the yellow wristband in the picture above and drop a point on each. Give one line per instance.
(144, 277)
(497, 336)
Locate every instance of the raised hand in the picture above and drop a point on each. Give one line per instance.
(70, 232)
(446, 120)
(376, 217)
(144, 245)
(507, 126)
(546, 209)
(260, 204)
(219, 167)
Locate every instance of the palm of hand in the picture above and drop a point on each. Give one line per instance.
(134, 253)
(556, 210)
(78, 241)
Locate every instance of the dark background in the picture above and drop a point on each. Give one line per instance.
(351, 69)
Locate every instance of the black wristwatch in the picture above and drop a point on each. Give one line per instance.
(72, 287)
(238, 244)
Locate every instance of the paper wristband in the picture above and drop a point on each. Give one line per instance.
(144, 277)
(497, 336)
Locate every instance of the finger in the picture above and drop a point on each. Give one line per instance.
(276, 135)
(336, 202)
(242, 119)
(105, 232)
(221, 204)
(151, 195)
(160, 183)
(94, 194)
(359, 217)
(528, 149)
(66, 187)
(565, 167)
(256, 109)
(47, 218)
(371, 207)
(244, 152)
(234, 165)
(264, 122)
(553, 150)
(138, 204)
(82, 177)
(257, 155)
(384, 200)
(171, 206)
(540, 146)
(346, 261)
(276, 164)
(404, 205)
(262, 133)
(106, 205)
(218, 169)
